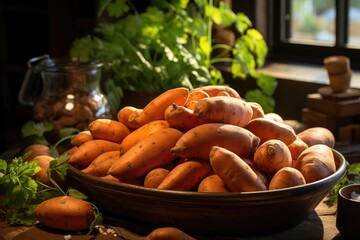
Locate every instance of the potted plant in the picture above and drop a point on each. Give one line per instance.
(172, 44)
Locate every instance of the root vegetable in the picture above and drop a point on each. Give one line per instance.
(141, 133)
(213, 90)
(212, 183)
(286, 177)
(155, 109)
(317, 135)
(35, 150)
(181, 118)
(186, 175)
(198, 141)
(81, 138)
(168, 233)
(271, 156)
(88, 151)
(316, 162)
(65, 213)
(155, 177)
(149, 153)
(124, 113)
(223, 109)
(107, 129)
(267, 129)
(102, 163)
(236, 174)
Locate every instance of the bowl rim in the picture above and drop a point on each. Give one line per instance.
(200, 196)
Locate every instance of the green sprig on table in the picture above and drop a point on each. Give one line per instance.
(352, 176)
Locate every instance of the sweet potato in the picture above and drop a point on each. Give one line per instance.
(71, 150)
(259, 173)
(198, 141)
(223, 109)
(196, 95)
(124, 113)
(274, 117)
(149, 153)
(317, 135)
(186, 175)
(267, 129)
(155, 177)
(141, 133)
(88, 151)
(213, 90)
(65, 213)
(316, 162)
(81, 138)
(297, 147)
(286, 177)
(212, 183)
(258, 111)
(190, 104)
(107, 129)
(236, 174)
(101, 164)
(271, 156)
(181, 118)
(168, 233)
(155, 109)
(35, 150)
(43, 163)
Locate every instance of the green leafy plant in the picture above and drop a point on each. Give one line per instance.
(21, 193)
(171, 44)
(352, 176)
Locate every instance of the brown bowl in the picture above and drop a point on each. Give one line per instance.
(247, 213)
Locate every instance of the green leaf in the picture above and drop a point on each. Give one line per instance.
(266, 102)
(3, 166)
(76, 194)
(266, 83)
(117, 8)
(243, 23)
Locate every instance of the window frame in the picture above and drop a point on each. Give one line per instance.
(286, 51)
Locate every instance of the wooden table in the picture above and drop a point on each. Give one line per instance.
(321, 224)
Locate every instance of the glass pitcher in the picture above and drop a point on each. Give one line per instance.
(64, 92)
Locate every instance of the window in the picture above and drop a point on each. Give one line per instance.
(310, 30)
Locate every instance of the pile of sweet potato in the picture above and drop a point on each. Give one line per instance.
(208, 140)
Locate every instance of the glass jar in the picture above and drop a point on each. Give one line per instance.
(64, 92)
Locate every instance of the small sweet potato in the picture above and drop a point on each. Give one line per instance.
(212, 183)
(286, 177)
(317, 135)
(316, 162)
(35, 150)
(168, 233)
(155, 177)
(65, 213)
(271, 156)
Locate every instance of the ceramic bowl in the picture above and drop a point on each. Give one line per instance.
(245, 213)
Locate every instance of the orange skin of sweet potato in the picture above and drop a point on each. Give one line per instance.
(181, 118)
(141, 133)
(317, 135)
(81, 138)
(271, 156)
(168, 233)
(212, 183)
(107, 129)
(198, 141)
(151, 152)
(186, 175)
(267, 129)
(155, 177)
(286, 177)
(155, 109)
(224, 109)
(235, 172)
(316, 162)
(65, 213)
